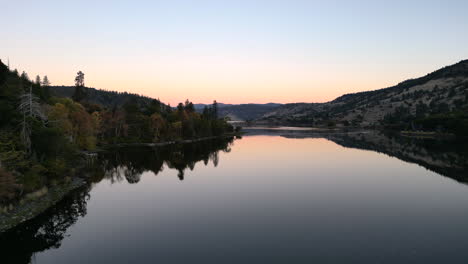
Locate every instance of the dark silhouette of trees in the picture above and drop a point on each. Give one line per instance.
(24, 76)
(215, 109)
(80, 90)
(38, 80)
(45, 81)
(79, 79)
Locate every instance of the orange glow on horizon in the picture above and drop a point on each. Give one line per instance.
(173, 88)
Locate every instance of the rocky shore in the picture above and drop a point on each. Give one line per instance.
(35, 203)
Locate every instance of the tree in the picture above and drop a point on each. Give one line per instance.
(80, 91)
(58, 116)
(38, 79)
(189, 107)
(180, 107)
(157, 125)
(24, 76)
(30, 108)
(215, 109)
(79, 79)
(45, 81)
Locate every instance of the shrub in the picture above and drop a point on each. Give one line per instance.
(9, 188)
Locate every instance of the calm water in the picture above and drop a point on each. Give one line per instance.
(271, 197)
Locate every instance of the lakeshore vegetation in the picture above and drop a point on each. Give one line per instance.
(41, 136)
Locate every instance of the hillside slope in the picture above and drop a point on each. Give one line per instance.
(102, 97)
(245, 112)
(242, 112)
(444, 91)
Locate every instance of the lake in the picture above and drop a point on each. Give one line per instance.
(272, 196)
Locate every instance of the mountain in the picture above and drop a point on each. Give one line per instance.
(242, 112)
(436, 99)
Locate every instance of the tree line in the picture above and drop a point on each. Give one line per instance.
(41, 136)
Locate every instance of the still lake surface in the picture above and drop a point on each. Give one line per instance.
(282, 196)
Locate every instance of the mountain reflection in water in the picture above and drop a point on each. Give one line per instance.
(287, 200)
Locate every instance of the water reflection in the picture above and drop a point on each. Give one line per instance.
(447, 157)
(278, 198)
(46, 231)
(130, 163)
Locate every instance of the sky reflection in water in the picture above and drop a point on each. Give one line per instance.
(274, 199)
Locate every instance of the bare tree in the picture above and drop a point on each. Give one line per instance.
(30, 108)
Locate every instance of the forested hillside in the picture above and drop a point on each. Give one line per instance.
(41, 136)
(437, 101)
(102, 97)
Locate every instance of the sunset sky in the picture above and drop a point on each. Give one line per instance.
(234, 51)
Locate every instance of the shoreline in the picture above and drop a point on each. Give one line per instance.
(33, 205)
(166, 143)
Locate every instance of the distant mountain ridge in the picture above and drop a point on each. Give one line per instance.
(441, 92)
(242, 112)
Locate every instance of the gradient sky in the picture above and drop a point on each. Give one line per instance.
(234, 51)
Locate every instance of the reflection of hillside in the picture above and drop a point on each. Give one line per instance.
(129, 163)
(18, 245)
(446, 157)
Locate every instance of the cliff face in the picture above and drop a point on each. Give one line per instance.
(440, 92)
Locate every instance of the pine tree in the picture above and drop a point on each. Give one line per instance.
(215, 109)
(80, 91)
(45, 81)
(24, 76)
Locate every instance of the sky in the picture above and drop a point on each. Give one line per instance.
(234, 51)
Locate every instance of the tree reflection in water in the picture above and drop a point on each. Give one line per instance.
(129, 163)
(47, 230)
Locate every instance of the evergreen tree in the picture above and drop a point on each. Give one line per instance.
(79, 79)
(215, 109)
(80, 93)
(189, 106)
(24, 76)
(180, 107)
(45, 81)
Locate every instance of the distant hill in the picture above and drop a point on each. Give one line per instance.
(110, 99)
(409, 103)
(242, 112)
(102, 97)
(199, 107)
